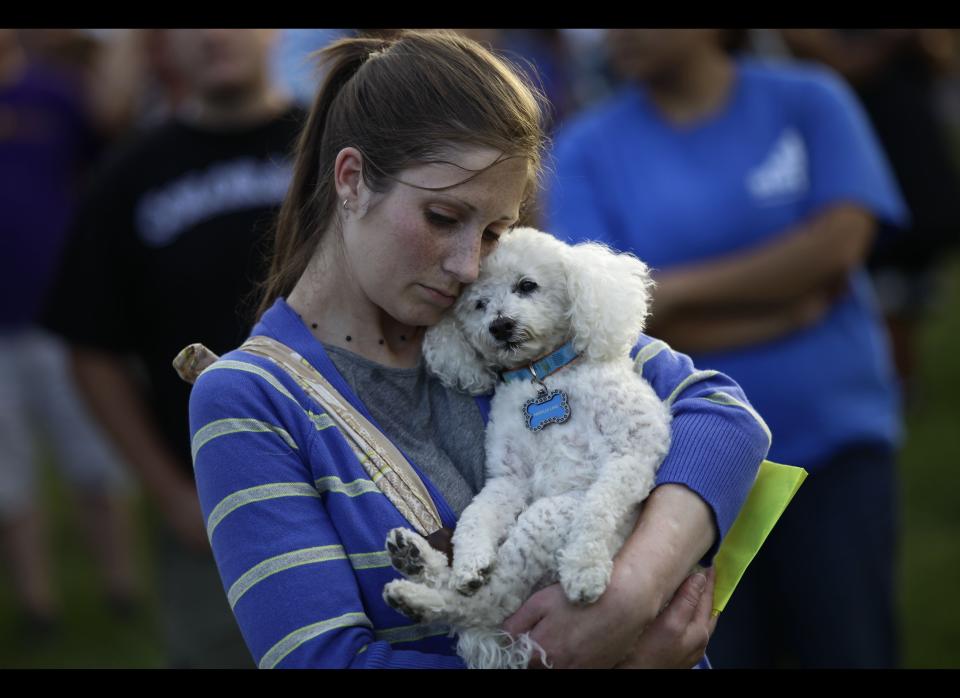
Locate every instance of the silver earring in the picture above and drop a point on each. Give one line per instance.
(345, 205)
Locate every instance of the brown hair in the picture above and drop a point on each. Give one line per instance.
(399, 100)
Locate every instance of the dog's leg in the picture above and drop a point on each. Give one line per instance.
(413, 557)
(528, 555)
(607, 515)
(482, 527)
(525, 558)
(421, 603)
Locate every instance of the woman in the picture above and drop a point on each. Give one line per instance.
(420, 152)
(755, 191)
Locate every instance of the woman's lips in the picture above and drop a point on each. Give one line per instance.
(440, 297)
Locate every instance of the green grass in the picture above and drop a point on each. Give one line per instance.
(88, 636)
(930, 466)
(930, 569)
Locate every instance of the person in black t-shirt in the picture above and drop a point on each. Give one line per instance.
(166, 251)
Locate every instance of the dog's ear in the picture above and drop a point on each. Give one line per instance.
(454, 361)
(609, 296)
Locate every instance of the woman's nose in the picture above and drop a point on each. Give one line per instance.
(464, 261)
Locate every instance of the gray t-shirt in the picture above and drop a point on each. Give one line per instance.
(438, 429)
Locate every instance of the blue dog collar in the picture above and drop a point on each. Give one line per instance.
(540, 369)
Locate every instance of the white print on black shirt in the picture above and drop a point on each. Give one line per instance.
(164, 214)
(783, 174)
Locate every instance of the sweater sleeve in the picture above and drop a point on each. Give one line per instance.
(718, 439)
(292, 584)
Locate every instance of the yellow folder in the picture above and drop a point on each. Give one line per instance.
(771, 493)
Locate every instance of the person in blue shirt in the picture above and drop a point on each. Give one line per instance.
(418, 154)
(754, 192)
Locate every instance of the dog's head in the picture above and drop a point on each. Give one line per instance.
(534, 293)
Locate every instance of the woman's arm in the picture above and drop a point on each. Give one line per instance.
(718, 442)
(675, 530)
(305, 594)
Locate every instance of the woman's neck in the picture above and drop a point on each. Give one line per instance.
(336, 311)
(694, 89)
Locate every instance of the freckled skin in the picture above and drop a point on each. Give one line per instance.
(393, 248)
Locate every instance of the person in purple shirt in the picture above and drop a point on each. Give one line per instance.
(46, 145)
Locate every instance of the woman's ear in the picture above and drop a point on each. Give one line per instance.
(348, 176)
(454, 361)
(609, 300)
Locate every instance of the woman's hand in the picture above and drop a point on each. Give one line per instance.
(601, 635)
(674, 531)
(678, 637)
(597, 636)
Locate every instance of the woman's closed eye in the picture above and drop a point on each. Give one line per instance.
(440, 220)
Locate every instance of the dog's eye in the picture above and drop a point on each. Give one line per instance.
(527, 286)
(481, 304)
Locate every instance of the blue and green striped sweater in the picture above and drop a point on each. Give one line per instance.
(298, 528)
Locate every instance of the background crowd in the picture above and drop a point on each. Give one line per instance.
(140, 171)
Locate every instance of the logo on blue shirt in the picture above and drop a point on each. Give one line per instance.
(783, 174)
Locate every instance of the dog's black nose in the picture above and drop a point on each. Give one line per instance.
(502, 328)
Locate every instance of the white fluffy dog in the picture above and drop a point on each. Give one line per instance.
(570, 456)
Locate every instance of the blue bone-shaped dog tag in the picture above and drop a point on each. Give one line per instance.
(551, 408)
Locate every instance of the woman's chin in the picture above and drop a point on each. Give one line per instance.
(420, 316)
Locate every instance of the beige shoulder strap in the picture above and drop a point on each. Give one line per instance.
(384, 463)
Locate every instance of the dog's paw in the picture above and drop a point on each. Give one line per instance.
(470, 574)
(413, 557)
(585, 584)
(406, 555)
(397, 596)
(417, 602)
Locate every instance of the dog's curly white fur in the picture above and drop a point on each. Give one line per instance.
(558, 503)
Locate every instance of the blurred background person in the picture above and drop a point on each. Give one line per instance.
(132, 82)
(543, 54)
(167, 246)
(591, 77)
(294, 67)
(47, 143)
(897, 74)
(755, 192)
(123, 76)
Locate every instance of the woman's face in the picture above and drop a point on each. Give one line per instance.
(411, 251)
